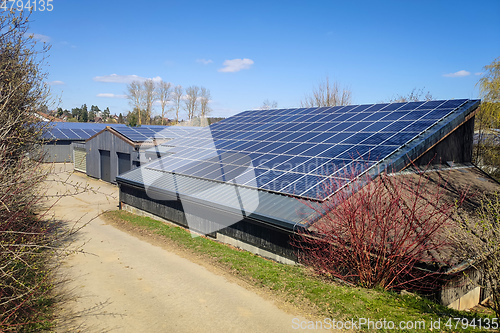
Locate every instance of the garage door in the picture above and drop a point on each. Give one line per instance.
(123, 163)
(80, 159)
(105, 165)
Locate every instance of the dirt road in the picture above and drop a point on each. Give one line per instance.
(124, 284)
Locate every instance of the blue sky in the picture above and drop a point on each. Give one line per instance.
(247, 52)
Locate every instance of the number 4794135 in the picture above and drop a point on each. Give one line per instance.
(34, 5)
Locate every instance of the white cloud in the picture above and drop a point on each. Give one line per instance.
(65, 43)
(236, 65)
(115, 78)
(457, 74)
(56, 83)
(108, 95)
(204, 61)
(40, 37)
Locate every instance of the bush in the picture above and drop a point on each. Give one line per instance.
(24, 278)
(385, 232)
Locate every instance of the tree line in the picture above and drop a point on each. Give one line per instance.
(83, 114)
(145, 95)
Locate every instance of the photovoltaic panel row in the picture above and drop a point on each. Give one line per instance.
(69, 134)
(85, 126)
(73, 131)
(148, 133)
(298, 151)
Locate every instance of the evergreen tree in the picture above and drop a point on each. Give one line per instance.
(94, 111)
(105, 114)
(84, 114)
(76, 113)
(133, 118)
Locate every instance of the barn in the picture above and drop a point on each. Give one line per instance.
(244, 180)
(115, 150)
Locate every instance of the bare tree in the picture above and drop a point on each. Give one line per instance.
(192, 103)
(328, 94)
(150, 96)
(204, 100)
(25, 277)
(268, 105)
(415, 95)
(177, 98)
(480, 244)
(135, 94)
(164, 96)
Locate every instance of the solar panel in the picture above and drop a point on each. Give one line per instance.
(295, 151)
(150, 132)
(74, 131)
(83, 131)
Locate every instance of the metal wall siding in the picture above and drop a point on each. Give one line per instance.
(58, 151)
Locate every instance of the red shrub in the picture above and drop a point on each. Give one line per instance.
(385, 232)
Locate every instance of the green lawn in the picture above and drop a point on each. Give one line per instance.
(297, 285)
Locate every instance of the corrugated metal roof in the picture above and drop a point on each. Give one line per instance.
(285, 211)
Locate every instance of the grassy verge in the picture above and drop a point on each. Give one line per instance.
(295, 284)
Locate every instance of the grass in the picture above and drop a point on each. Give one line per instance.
(298, 285)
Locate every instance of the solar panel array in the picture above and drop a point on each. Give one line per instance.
(69, 134)
(74, 131)
(297, 151)
(83, 131)
(147, 133)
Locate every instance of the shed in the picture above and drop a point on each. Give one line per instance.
(116, 150)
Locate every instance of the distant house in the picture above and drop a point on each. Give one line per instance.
(45, 117)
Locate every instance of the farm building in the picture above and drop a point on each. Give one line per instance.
(244, 180)
(60, 139)
(115, 150)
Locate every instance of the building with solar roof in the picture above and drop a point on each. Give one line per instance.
(245, 180)
(276, 157)
(115, 150)
(63, 141)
